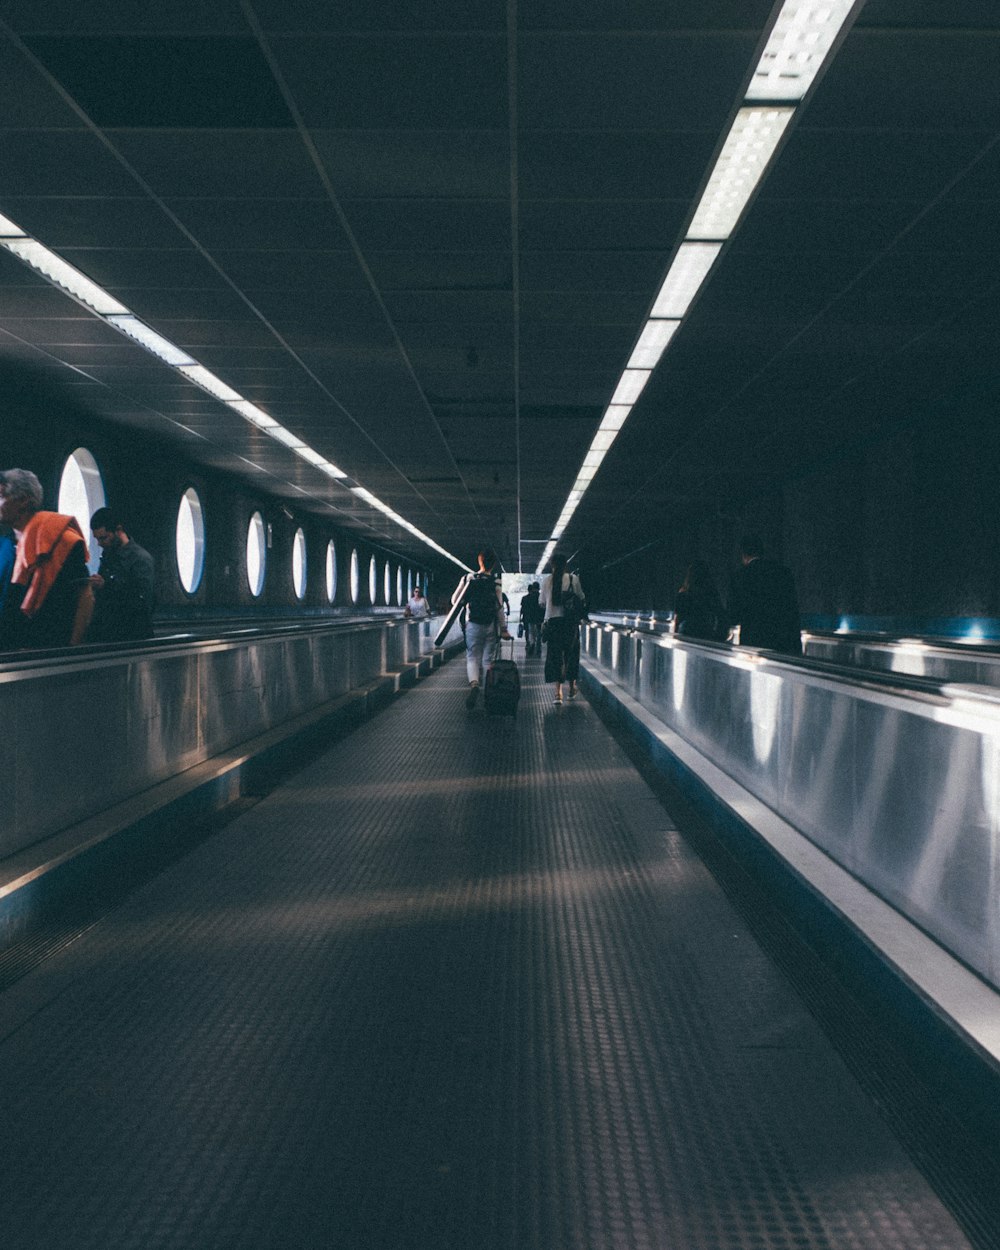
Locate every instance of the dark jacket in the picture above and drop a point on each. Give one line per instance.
(124, 605)
(700, 615)
(766, 608)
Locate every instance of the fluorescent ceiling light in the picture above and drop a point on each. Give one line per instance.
(749, 147)
(685, 276)
(799, 44)
(282, 435)
(63, 274)
(202, 377)
(630, 386)
(615, 417)
(603, 439)
(154, 343)
(252, 413)
(652, 344)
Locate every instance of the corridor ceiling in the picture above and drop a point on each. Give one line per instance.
(424, 235)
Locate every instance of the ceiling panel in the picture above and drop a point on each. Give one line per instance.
(432, 257)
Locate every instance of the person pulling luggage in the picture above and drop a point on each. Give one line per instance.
(484, 620)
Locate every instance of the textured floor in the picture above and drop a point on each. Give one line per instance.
(459, 984)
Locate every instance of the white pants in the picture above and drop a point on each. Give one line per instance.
(478, 648)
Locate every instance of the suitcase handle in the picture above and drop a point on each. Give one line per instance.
(498, 647)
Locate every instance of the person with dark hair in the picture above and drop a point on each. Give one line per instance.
(532, 615)
(483, 620)
(49, 601)
(124, 584)
(764, 603)
(565, 606)
(698, 610)
(417, 605)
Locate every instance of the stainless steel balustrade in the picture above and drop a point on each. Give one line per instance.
(84, 733)
(917, 657)
(900, 787)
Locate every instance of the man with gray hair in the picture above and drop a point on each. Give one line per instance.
(49, 601)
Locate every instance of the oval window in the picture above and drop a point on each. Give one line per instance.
(355, 576)
(299, 564)
(387, 582)
(256, 554)
(399, 584)
(372, 581)
(189, 540)
(409, 583)
(81, 493)
(331, 571)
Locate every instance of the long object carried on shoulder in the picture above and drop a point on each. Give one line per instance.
(449, 620)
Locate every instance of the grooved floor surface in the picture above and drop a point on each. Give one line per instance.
(458, 984)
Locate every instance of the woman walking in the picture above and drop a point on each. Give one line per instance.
(565, 606)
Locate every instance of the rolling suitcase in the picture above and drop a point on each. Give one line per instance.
(503, 684)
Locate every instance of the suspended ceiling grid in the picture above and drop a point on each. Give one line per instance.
(425, 238)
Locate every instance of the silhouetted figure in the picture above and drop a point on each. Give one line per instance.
(124, 585)
(698, 610)
(764, 603)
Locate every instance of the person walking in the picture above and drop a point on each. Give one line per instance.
(532, 615)
(483, 618)
(565, 606)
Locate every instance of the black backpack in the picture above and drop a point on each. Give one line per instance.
(481, 596)
(574, 608)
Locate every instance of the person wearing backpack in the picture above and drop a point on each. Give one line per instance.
(565, 607)
(484, 620)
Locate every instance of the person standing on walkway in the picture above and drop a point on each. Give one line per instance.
(484, 620)
(763, 602)
(49, 601)
(565, 607)
(417, 606)
(124, 585)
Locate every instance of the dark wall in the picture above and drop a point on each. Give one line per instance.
(906, 525)
(145, 480)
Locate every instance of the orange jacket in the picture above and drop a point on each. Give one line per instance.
(46, 541)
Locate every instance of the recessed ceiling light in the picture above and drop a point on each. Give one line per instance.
(652, 343)
(253, 414)
(63, 274)
(749, 147)
(207, 380)
(685, 276)
(630, 386)
(154, 343)
(799, 43)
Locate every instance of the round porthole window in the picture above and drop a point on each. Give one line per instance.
(387, 583)
(331, 571)
(81, 493)
(189, 541)
(409, 583)
(372, 581)
(299, 564)
(256, 554)
(355, 577)
(399, 584)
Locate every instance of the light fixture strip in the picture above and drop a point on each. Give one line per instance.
(689, 270)
(146, 337)
(62, 274)
(800, 41)
(749, 147)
